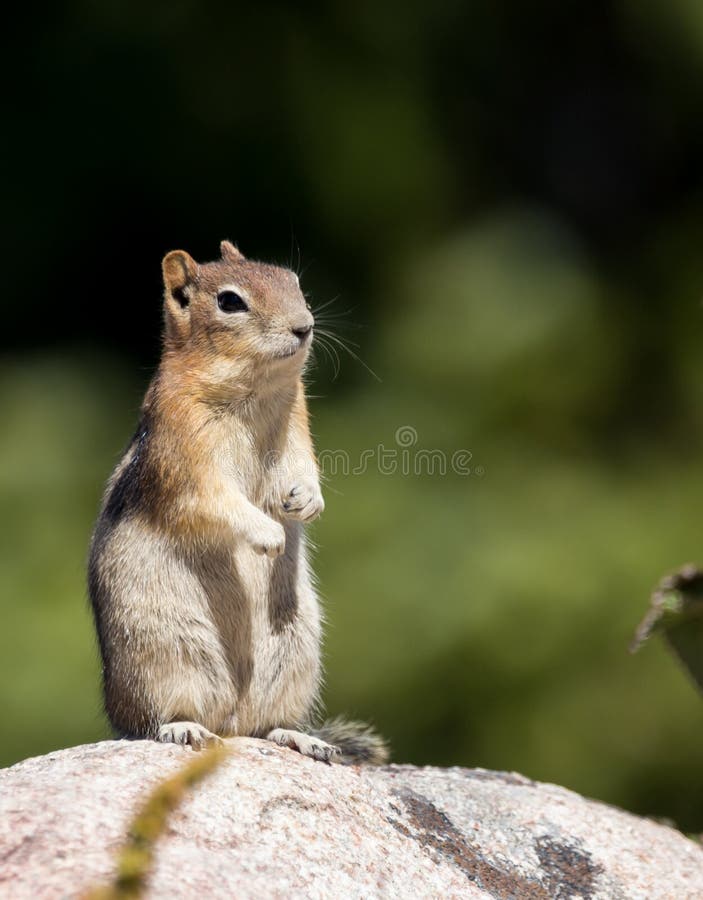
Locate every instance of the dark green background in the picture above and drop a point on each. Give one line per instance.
(507, 200)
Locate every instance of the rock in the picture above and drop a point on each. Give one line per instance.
(270, 823)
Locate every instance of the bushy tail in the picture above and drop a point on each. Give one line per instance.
(357, 741)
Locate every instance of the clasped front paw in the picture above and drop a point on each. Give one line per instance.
(304, 500)
(267, 537)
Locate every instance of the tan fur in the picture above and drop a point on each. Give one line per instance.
(208, 622)
(198, 575)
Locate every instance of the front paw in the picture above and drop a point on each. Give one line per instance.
(267, 537)
(304, 500)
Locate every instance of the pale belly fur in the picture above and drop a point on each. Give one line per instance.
(219, 635)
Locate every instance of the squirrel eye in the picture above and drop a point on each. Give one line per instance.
(230, 302)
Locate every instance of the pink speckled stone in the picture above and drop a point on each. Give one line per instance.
(271, 823)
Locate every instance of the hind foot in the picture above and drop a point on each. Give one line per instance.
(187, 733)
(304, 743)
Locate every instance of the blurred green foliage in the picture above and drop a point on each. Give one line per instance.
(509, 201)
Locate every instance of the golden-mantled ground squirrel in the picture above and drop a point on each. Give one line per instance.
(206, 613)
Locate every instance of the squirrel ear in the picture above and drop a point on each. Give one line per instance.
(230, 252)
(179, 269)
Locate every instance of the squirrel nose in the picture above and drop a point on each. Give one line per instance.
(302, 331)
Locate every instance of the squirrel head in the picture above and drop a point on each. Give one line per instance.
(235, 309)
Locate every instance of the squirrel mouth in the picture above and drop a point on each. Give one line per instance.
(294, 351)
(287, 354)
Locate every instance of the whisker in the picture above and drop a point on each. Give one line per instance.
(338, 361)
(331, 353)
(345, 342)
(334, 355)
(300, 272)
(294, 245)
(336, 337)
(318, 309)
(325, 314)
(327, 335)
(315, 358)
(338, 320)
